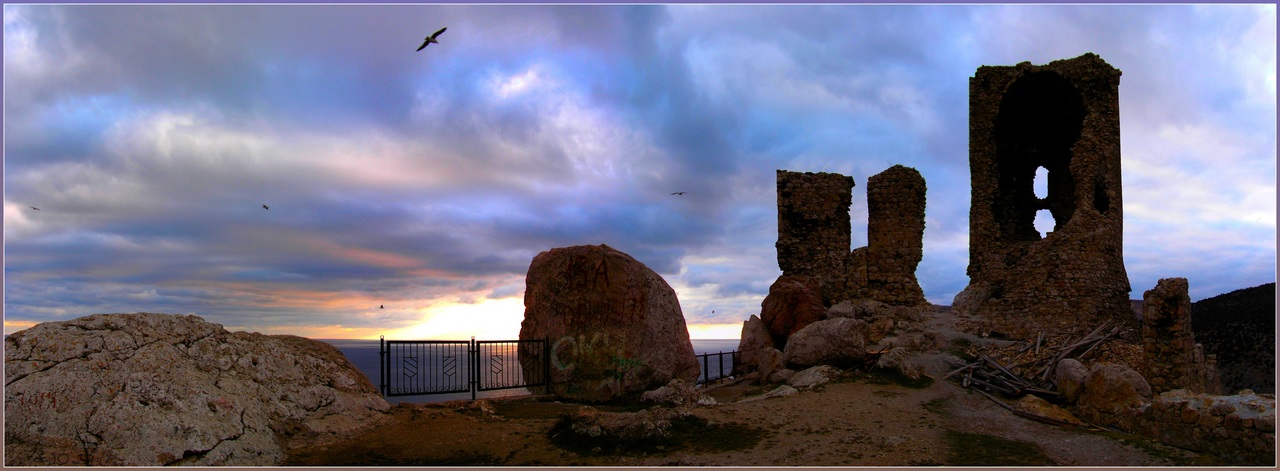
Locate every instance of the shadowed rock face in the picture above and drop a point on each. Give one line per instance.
(793, 302)
(160, 389)
(615, 327)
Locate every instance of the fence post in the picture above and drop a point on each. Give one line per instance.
(382, 365)
(721, 365)
(546, 365)
(705, 373)
(473, 366)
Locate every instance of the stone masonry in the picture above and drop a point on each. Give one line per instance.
(1171, 357)
(813, 229)
(1062, 116)
(886, 270)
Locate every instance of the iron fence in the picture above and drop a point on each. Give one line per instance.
(421, 367)
(715, 363)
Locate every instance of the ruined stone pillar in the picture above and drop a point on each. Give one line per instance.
(895, 235)
(813, 229)
(1171, 358)
(1063, 116)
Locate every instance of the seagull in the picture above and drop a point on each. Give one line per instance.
(431, 39)
(679, 193)
(265, 207)
(35, 208)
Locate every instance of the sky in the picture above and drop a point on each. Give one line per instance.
(409, 191)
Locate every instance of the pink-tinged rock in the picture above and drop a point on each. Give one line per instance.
(755, 336)
(615, 326)
(793, 303)
(770, 366)
(837, 342)
(1070, 375)
(1111, 388)
(159, 389)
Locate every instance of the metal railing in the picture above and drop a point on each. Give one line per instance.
(421, 367)
(718, 366)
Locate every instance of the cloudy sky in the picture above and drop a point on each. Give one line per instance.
(151, 136)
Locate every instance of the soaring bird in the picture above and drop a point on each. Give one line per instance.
(35, 208)
(431, 39)
(679, 193)
(381, 307)
(265, 207)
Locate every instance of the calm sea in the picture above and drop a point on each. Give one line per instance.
(364, 354)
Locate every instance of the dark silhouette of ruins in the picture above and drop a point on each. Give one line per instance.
(1064, 117)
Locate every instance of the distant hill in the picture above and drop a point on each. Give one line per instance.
(1239, 327)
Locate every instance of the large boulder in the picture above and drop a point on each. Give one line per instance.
(755, 337)
(839, 342)
(615, 326)
(160, 389)
(1070, 376)
(793, 303)
(1112, 387)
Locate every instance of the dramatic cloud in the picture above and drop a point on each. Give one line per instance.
(408, 191)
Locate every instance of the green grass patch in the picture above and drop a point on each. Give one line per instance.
(975, 449)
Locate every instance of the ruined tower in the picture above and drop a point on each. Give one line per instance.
(813, 229)
(1063, 116)
(885, 270)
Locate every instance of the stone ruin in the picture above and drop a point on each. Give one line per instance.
(814, 235)
(885, 270)
(824, 285)
(1171, 357)
(1063, 117)
(813, 229)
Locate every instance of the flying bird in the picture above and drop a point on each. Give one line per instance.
(431, 39)
(679, 193)
(381, 307)
(35, 208)
(266, 207)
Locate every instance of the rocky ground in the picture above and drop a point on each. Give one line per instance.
(860, 419)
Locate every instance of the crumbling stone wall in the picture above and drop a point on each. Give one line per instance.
(895, 235)
(1062, 116)
(813, 229)
(1171, 357)
(1240, 429)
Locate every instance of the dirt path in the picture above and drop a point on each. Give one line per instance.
(859, 421)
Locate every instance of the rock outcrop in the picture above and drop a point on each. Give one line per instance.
(678, 393)
(793, 303)
(837, 342)
(1070, 376)
(1112, 388)
(615, 326)
(755, 337)
(159, 389)
(814, 376)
